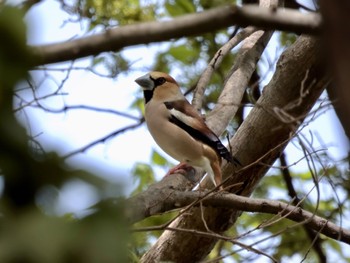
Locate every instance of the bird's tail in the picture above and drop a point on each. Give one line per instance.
(224, 153)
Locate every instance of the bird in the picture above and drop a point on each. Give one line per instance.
(178, 128)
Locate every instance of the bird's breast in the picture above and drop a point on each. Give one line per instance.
(172, 139)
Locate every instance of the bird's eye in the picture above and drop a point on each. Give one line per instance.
(159, 81)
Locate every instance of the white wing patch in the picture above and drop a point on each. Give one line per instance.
(188, 120)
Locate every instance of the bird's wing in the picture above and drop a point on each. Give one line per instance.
(186, 117)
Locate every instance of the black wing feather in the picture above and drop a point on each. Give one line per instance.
(212, 140)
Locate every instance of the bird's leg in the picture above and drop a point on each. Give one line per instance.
(181, 168)
(217, 175)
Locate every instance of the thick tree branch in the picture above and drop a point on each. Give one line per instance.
(283, 19)
(337, 42)
(166, 199)
(188, 25)
(280, 110)
(150, 202)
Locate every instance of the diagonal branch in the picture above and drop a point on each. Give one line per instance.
(238, 79)
(103, 139)
(215, 63)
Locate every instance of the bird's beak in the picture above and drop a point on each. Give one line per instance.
(145, 82)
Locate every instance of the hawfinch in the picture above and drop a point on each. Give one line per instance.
(178, 128)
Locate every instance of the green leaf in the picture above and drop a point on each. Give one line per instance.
(159, 159)
(143, 175)
(179, 7)
(138, 104)
(335, 245)
(305, 176)
(97, 60)
(183, 53)
(207, 4)
(287, 39)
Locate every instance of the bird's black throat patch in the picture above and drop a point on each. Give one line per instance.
(147, 94)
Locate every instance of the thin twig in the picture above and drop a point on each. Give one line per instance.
(102, 140)
(84, 107)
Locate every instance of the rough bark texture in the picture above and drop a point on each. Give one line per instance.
(151, 201)
(159, 200)
(263, 134)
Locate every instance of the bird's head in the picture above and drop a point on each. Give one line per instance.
(159, 85)
(154, 79)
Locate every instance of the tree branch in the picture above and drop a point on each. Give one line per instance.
(284, 19)
(261, 131)
(338, 54)
(237, 81)
(184, 26)
(79, 107)
(103, 139)
(168, 199)
(214, 64)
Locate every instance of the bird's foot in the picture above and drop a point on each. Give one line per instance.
(181, 168)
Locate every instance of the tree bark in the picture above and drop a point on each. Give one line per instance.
(285, 102)
(188, 25)
(337, 46)
(161, 198)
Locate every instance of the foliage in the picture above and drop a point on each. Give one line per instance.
(109, 13)
(287, 39)
(29, 234)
